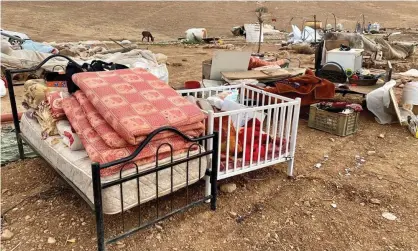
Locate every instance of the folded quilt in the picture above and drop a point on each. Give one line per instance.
(134, 103)
(100, 152)
(111, 137)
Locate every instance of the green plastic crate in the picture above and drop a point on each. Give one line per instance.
(331, 122)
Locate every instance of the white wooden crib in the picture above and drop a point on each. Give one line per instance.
(279, 118)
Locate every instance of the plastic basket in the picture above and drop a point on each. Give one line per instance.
(335, 123)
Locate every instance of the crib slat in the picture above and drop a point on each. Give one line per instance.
(288, 126)
(236, 140)
(227, 142)
(282, 122)
(220, 140)
(245, 139)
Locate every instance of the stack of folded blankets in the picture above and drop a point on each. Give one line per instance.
(114, 111)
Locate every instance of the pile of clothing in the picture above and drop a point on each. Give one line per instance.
(114, 111)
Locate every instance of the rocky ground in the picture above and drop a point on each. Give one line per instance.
(362, 197)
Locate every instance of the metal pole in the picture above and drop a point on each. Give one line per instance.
(98, 209)
(314, 17)
(214, 171)
(15, 113)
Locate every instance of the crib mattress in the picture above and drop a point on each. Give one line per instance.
(76, 166)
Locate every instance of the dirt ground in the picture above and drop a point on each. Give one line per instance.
(338, 206)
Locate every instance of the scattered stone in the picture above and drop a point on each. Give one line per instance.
(177, 64)
(184, 60)
(381, 135)
(27, 217)
(318, 165)
(375, 201)
(228, 188)
(51, 240)
(83, 223)
(158, 237)
(307, 203)
(6, 235)
(332, 139)
(233, 214)
(371, 153)
(389, 216)
(362, 204)
(333, 205)
(158, 227)
(307, 213)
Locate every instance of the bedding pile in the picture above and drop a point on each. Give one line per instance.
(114, 111)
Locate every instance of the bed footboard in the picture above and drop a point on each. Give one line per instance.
(98, 186)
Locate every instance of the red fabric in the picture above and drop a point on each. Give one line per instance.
(308, 87)
(259, 143)
(110, 136)
(256, 62)
(54, 100)
(134, 103)
(100, 152)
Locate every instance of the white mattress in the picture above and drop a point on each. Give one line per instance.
(76, 166)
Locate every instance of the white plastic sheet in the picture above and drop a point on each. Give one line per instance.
(378, 102)
(307, 35)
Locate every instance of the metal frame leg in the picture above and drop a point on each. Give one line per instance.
(214, 172)
(15, 113)
(98, 210)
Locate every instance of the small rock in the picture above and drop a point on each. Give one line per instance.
(184, 60)
(81, 219)
(233, 214)
(158, 237)
(177, 64)
(375, 201)
(3, 191)
(6, 235)
(318, 165)
(308, 213)
(27, 217)
(228, 188)
(51, 240)
(158, 227)
(332, 139)
(401, 85)
(83, 223)
(333, 205)
(362, 204)
(389, 216)
(371, 153)
(381, 135)
(307, 203)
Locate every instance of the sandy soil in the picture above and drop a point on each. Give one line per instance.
(279, 214)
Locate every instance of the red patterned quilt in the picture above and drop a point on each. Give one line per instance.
(98, 149)
(134, 103)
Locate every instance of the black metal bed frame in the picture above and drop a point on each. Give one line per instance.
(98, 187)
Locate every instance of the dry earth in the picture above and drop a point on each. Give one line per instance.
(281, 214)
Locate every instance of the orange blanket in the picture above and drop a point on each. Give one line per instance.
(308, 87)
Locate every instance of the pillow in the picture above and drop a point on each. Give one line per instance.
(55, 102)
(68, 135)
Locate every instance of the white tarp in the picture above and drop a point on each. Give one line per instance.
(378, 102)
(307, 35)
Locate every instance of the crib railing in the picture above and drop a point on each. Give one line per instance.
(245, 143)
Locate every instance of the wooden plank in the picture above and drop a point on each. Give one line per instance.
(265, 74)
